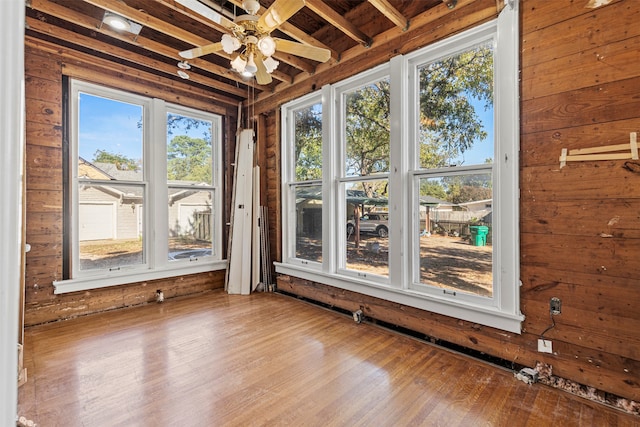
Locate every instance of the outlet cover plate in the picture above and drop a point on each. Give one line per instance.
(545, 346)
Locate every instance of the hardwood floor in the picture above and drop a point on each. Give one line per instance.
(267, 359)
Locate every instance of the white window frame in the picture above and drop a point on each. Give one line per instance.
(290, 184)
(339, 92)
(502, 311)
(156, 264)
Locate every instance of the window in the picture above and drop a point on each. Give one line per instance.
(453, 148)
(365, 141)
(190, 179)
(140, 208)
(419, 182)
(304, 183)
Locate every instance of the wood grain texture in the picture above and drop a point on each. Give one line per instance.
(267, 359)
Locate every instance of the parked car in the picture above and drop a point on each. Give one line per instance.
(373, 223)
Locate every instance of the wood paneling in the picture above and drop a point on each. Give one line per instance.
(45, 65)
(265, 359)
(579, 225)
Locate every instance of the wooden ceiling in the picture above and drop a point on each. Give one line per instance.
(342, 26)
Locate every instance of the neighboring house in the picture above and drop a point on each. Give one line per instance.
(113, 210)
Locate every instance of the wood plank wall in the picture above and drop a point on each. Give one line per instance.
(45, 65)
(580, 225)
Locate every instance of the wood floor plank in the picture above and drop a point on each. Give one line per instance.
(267, 359)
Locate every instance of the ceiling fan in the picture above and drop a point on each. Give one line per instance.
(250, 36)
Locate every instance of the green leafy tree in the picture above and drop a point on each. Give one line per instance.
(449, 124)
(308, 143)
(433, 188)
(189, 159)
(121, 161)
(468, 188)
(368, 129)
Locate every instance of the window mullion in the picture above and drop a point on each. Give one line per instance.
(157, 214)
(398, 157)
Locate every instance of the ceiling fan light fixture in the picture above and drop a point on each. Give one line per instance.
(229, 43)
(267, 45)
(239, 64)
(251, 6)
(270, 64)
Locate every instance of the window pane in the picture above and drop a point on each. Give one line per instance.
(368, 130)
(456, 109)
(455, 240)
(367, 227)
(110, 225)
(189, 153)
(190, 221)
(109, 139)
(308, 140)
(309, 223)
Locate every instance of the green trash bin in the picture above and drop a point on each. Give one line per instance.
(479, 234)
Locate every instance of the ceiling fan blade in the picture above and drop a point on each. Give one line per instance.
(262, 76)
(207, 12)
(304, 50)
(279, 12)
(201, 51)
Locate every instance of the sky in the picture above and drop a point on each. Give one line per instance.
(481, 150)
(110, 126)
(113, 126)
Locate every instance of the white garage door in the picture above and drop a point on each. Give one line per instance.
(96, 221)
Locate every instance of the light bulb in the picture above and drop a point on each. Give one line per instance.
(239, 64)
(267, 46)
(251, 65)
(270, 64)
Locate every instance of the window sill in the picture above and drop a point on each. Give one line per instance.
(119, 278)
(484, 315)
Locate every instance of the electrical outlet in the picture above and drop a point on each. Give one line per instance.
(545, 346)
(555, 305)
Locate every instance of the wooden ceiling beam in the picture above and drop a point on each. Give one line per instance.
(76, 63)
(391, 13)
(92, 24)
(338, 21)
(123, 54)
(149, 21)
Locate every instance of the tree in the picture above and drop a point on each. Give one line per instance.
(121, 161)
(468, 188)
(449, 124)
(308, 143)
(368, 129)
(189, 159)
(185, 124)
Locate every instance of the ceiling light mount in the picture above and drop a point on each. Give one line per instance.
(120, 23)
(450, 3)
